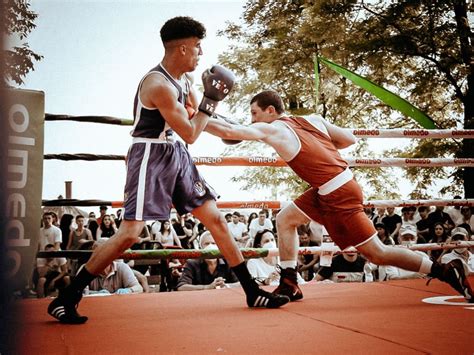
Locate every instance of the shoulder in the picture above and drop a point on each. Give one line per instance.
(122, 267)
(156, 83)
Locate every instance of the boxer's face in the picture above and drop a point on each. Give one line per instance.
(259, 115)
(192, 52)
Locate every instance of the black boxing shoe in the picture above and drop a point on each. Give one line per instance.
(289, 284)
(63, 308)
(453, 274)
(264, 299)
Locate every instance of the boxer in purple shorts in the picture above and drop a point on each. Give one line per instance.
(160, 171)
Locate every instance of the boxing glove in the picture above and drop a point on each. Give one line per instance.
(217, 83)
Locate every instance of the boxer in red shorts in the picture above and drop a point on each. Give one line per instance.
(310, 147)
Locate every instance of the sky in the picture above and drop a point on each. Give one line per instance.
(95, 53)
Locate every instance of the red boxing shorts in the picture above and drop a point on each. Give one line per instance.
(341, 212)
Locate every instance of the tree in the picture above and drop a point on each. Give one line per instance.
(19, 22)
(418, 49)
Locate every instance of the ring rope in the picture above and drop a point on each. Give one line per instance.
(278, 162)
(360, 133)
(271, 204)
(249, 253)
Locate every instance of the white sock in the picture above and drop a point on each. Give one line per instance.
(425, 267)
(288, 264)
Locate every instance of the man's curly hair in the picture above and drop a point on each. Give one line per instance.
(181, 27)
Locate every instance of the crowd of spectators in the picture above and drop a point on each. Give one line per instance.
(258, 230)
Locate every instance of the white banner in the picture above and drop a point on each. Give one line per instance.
(413, 133)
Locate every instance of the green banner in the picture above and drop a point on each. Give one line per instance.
(24, 183)
(383, 94)
(316, 82)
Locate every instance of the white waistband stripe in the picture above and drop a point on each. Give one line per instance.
(336, 182)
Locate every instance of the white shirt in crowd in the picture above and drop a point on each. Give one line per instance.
(454, 213)
(51, 235)
(256, 227)
(237, 229)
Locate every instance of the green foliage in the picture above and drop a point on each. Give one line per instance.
(413, 48)
(19, 22)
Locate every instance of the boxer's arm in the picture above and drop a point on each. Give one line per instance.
(192, 99)
(164, 97)
(341, 137)
(224, 130)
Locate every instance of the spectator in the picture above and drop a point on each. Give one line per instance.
(49, 234)
(206, 274)
(176, 270)
(370, 213)
(455, 211)
(393, 222)
(103, 212)
(65, 224)
(466, 257)
(106, 228)
(252, 216)
(408, 236)
(408, 216)
(155, 229)
(306, 263)
(439, 235)
(466, 217)
(423, 225)
(167, 236)
(382, 233)
(238, 230)
(317, 232)
(191, 225)
(184, 231)
(118, 220)
(190, 219)
(52, 275)
(243, 218)
(200, 227)
(55, 219)
(116, 278)
(273, 219)
(92, 225)
(264, 269)
(380, 215)
(228, 217)
(80, 235)
(345, 267)
(438, 216)
(259, 224)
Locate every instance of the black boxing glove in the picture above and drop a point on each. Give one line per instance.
(217, 83)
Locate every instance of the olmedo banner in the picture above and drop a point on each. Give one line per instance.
(25, 115)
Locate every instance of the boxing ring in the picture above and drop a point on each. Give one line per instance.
(392, 317)
(380, 317)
